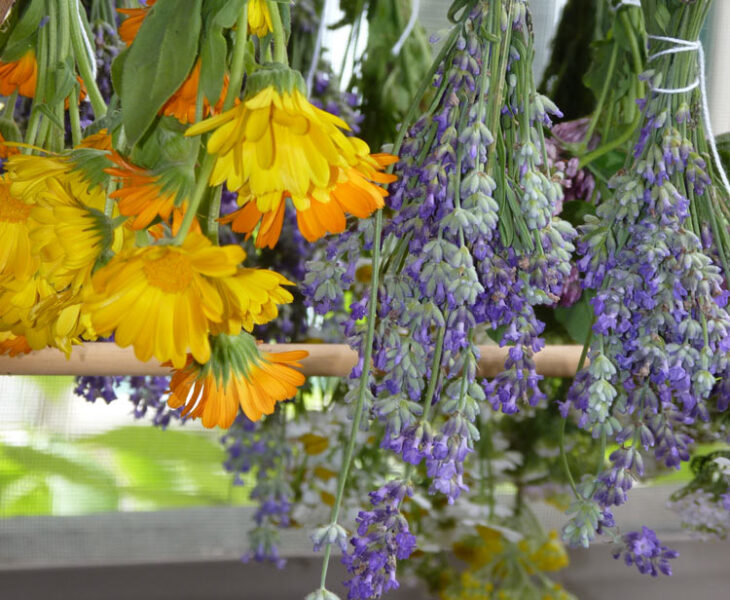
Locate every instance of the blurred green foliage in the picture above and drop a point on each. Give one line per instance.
(128, 468)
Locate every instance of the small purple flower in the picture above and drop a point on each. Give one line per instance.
(383, 538)
(644, 550)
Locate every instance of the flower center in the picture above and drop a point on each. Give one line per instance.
(12, 210)
(172, 273)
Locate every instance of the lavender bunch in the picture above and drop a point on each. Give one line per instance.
(261, 448)
(654, 257)
(472, 243)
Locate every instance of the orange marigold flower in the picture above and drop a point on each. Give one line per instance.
(276, 145)
(5, 150)
(13, 345)
(101, 140)
(181, 104)
(141, 196)
(20, 75)
(238, 375)
(130, 26)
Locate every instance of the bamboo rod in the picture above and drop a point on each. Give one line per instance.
(334, 360)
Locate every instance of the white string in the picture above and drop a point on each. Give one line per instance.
(415, 7)
(701, 82)
(628, 3)
(85, 36)
(317, 46)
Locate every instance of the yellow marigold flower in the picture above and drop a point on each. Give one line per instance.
(238, 375)
(141, 195)
(29, 174)
(16, 258)
(72, 231)
(250, 297)
(45, 317)
(551, 556)
(259, 18)
(13, 345)
(162, 299)
(20, 75)
(276, 145)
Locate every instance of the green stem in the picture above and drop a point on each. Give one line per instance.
(628, 133)
(602, 98)
(280, 55)
(239, 59)
(201, 185)
(561, 435)
(82, 60)
(214, 211)
(234, 87)
(498, 73)
(9, 110)
(372, 307)
(364, 383)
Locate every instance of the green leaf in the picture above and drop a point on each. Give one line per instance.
(213, 64)
(225, 12)
(21, 36)
(53, 118)
(576, 319)
(9, 130)
(91, 163)
(47, 463)
(118, 70)
(169, 445)
(159, 60)
(24, 497)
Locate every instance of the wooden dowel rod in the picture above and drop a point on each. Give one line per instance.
(335, 360)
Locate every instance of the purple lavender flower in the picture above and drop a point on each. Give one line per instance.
(644, 550)
(383, 537)
(95, 387)
(257, 447)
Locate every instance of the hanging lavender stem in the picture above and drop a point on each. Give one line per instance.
(654, 258)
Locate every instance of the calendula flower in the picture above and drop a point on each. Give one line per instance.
(16, 258)
(19, 75)
(259, 18)
(173, 225)
(251, 297)
(13, 345)
(45, 317)
(130, 26)
(5, 150)
(238, 375)
(354, 194)
(276, 145)
(28, 174)
(72, 231)
(141, 194)
(162, 299)
(181, 104)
